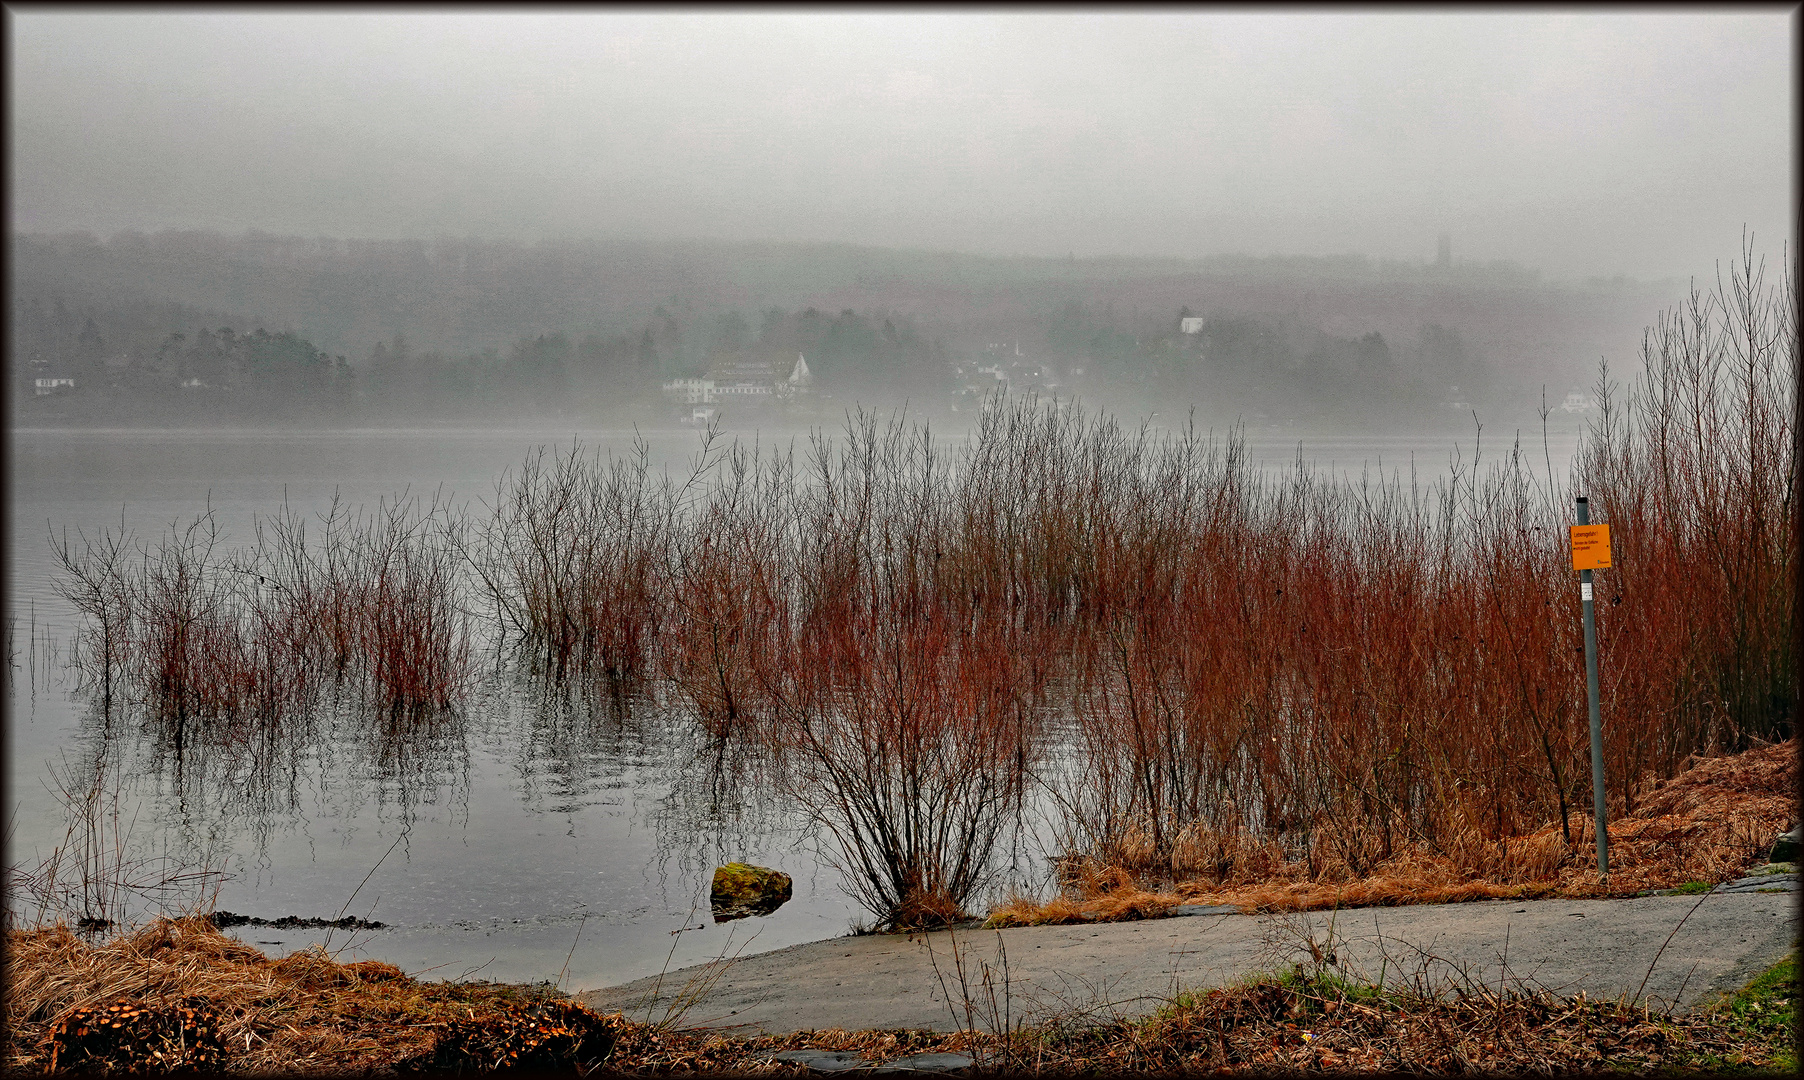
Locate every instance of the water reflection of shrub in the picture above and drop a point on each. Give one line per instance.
(104, 872)
(572, 742)
(724, 799)
(342, 756)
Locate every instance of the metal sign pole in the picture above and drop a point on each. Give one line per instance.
(1597, 721)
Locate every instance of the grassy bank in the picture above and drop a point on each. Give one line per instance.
(180, 994)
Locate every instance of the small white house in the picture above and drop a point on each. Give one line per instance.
(1577, 402)
(51, 386)
(1191, 324)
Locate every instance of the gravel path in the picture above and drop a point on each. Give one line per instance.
(1674, 950)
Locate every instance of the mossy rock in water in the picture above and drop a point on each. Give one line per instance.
(741, 889)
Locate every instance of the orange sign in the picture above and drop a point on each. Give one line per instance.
(1590, 547)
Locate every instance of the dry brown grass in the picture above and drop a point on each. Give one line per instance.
(305, 1012)
(308, 1013)
(1322, 1024)
(1263, 1026)
(1709, 824)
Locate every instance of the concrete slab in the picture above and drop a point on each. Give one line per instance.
(1672, 950)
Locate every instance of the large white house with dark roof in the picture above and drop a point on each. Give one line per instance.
(741, 382)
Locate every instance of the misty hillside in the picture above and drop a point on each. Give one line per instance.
(320, 328)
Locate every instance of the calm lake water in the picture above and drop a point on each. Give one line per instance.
(527, 836)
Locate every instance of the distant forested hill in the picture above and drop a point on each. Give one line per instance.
(464, 326)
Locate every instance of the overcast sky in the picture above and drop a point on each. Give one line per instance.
(1607, 142)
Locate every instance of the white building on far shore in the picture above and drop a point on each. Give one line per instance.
(740, 382)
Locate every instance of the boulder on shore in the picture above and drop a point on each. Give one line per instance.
(1785, 849)
(741, 889)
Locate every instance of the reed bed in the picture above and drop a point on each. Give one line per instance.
(1261, 670)
(569, 557)
(225, 644)
(826, 621)
(1707, 825)
(1213, 672)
